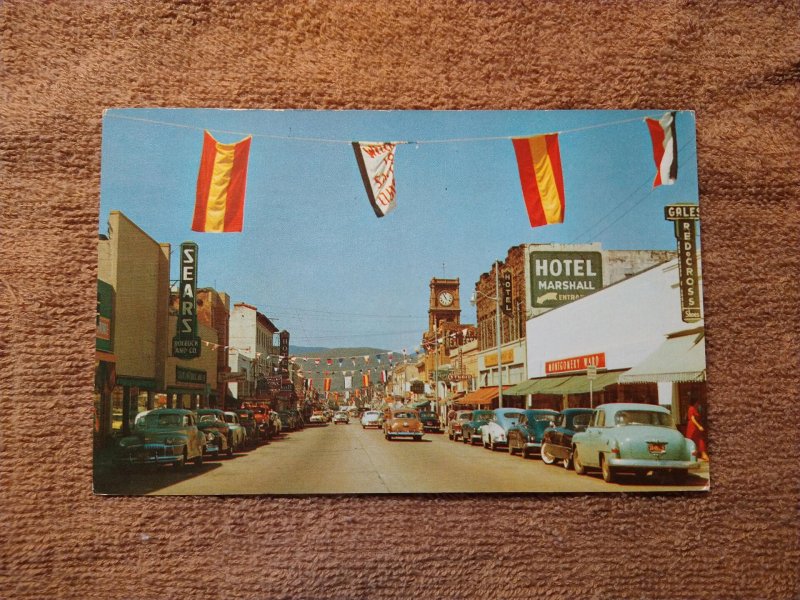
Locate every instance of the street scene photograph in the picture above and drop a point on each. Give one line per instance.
(393, 302)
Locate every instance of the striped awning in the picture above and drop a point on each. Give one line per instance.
(681, 358)
(559, 386)
(482, 396)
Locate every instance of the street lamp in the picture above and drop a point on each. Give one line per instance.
(474, 300)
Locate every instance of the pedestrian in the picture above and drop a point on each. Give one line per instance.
(694, 428)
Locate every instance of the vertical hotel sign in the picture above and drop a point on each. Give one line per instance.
(186, 343)
(685, 217)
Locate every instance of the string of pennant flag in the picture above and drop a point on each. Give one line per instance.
(222, 175)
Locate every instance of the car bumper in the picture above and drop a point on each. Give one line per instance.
(374, 424)
(648, 464)
(213, 448)
(405, 433)
(534, 447)
(150, 454)
(433, 428)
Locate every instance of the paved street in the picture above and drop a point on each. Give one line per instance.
(346, 459)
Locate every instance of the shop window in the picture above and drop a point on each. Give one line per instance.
(117, 397)
(141, 402)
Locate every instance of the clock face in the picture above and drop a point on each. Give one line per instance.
(445, 298)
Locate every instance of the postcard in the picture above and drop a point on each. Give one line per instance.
(382, 302)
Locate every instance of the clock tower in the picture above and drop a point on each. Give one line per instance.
(445, 304)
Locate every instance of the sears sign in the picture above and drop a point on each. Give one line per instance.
(561, 277)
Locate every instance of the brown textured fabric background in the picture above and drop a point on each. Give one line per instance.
(734, 63)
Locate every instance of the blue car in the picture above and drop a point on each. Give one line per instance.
(525, 436)
(471, 430)
(633, 438)
(557, 440)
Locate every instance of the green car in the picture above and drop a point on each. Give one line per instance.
(633, 438)
(162, 436)
(471, 430)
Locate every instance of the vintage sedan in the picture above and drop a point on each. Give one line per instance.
(371, 418)
(494, 434)
(471, 430)
(403, 423)
(633, 438)
(247, 420)
(238, 432)
(430, 422)
(456, 421)
(317, 418)
(341, 417)
(209, 423)
(525, 436)
(557, 440)
(162, 436)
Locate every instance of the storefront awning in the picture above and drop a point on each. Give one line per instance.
(570, 384)
(482, 396)
(544, 385)
(681, 358)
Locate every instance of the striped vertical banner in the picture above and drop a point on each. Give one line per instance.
(665, 148)
(539, 163)
(221, 181)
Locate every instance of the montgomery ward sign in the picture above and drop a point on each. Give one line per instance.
(561, 277)
(186, 343)
(576, 363)
(685, 217)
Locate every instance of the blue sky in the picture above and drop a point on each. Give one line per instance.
(314, 257)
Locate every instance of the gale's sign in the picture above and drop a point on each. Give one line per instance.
(685, 217)
(561, 277)
(186, 343)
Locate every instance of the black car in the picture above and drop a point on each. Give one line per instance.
(430, 422)
(557, 440)
(471, 430)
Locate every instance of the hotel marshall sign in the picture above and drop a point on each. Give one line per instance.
(561, 277)
(186, 343)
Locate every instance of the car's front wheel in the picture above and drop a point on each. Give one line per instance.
(198, 461)
(608, 472)
(576, 461)
(547, 458)
(568, 462)
(181, 460)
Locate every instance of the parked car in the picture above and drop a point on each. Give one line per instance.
(371, 418)
(633, 438)
(288, 420)
(341, 417)
(525, 436)
(317, 417)
(210, 423)
(494, 434)
(248, 421)
(238, 435)
(454, 424)
(162, 436)
(403, 423)
(262, 416)
(275, 424)
(557, 440)
(471, 430)
(299, 420)
(430, 422)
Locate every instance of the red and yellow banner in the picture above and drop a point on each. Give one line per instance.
(539, 163)
(219, 205)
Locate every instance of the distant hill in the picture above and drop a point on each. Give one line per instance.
(318, 352)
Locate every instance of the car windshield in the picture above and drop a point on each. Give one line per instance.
(230, 419)
(160, 421)
(545, 417)
(581, 421)
(206, 418)
(643, 417)
(482, 415)
(465, 416)
(429, 415)
(404, 415)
